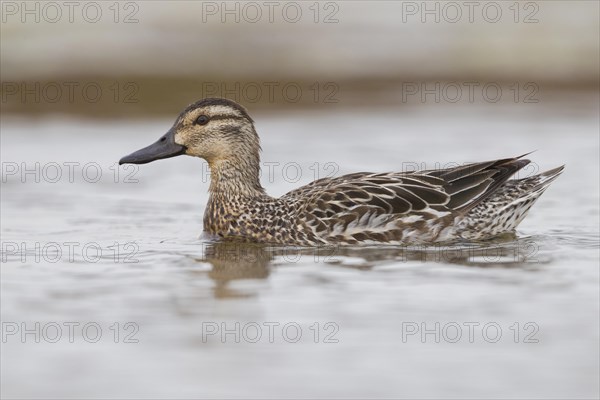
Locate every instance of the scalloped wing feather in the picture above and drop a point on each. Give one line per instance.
(397, 207)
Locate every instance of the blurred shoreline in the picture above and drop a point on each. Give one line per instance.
(150, 58)
(137, 97)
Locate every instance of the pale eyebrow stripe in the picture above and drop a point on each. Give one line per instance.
(223, 110)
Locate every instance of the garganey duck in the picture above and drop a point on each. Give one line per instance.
(474, 201)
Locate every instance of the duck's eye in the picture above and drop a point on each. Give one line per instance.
(202, 120)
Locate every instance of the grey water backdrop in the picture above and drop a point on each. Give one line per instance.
(101, 245)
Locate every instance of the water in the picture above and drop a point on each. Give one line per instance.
(364, 308)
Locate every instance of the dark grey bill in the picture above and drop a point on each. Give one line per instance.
(165, 147)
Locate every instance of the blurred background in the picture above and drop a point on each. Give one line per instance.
(334, 87)
(131, 59)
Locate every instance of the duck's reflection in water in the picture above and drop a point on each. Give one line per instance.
(236, 261)
(507, 251)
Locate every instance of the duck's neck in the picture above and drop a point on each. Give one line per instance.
(235, 178)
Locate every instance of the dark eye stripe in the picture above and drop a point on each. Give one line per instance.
(217, 118)
(222, 117)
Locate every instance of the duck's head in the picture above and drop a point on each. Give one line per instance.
(214, 129)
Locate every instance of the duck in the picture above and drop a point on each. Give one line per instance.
(471, 202)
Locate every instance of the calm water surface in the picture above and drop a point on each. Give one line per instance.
(516, 317)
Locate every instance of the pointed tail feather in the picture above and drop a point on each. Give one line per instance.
(544, 179)
(507, 207)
